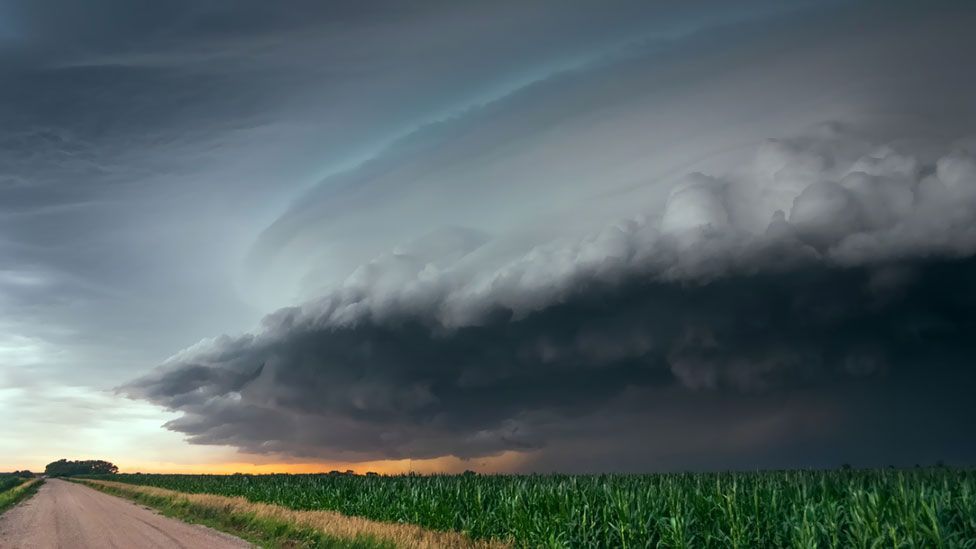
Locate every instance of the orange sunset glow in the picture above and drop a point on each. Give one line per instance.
(504, 463)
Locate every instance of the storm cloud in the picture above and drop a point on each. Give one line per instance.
(626, 236)
(866, 277)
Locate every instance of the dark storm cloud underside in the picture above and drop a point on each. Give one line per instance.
(399, 389)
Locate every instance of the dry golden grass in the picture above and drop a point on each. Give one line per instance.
(328, 522)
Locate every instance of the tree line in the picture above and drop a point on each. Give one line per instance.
(65, 468)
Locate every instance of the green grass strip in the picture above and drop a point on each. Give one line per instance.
(8, 482)
(257, 530)
(18, 493)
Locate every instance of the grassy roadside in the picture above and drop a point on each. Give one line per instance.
(18, 493)
(276, 526)
(235, 519)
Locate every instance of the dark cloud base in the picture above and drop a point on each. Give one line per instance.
(796, 367)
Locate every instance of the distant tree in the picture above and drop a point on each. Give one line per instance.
(372, 474)
(65, 468)
(23, 474)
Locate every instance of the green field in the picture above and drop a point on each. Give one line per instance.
(13, 489)
(878, 508)
(9, 481)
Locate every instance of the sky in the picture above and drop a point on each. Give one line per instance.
(503, 236)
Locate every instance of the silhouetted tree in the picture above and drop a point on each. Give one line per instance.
(65, 468)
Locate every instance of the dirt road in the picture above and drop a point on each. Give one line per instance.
(70, 516)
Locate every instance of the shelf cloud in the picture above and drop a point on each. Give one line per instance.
(771, 251)
(862, 273)
(593, 237)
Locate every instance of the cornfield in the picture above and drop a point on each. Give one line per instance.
(887, 508)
